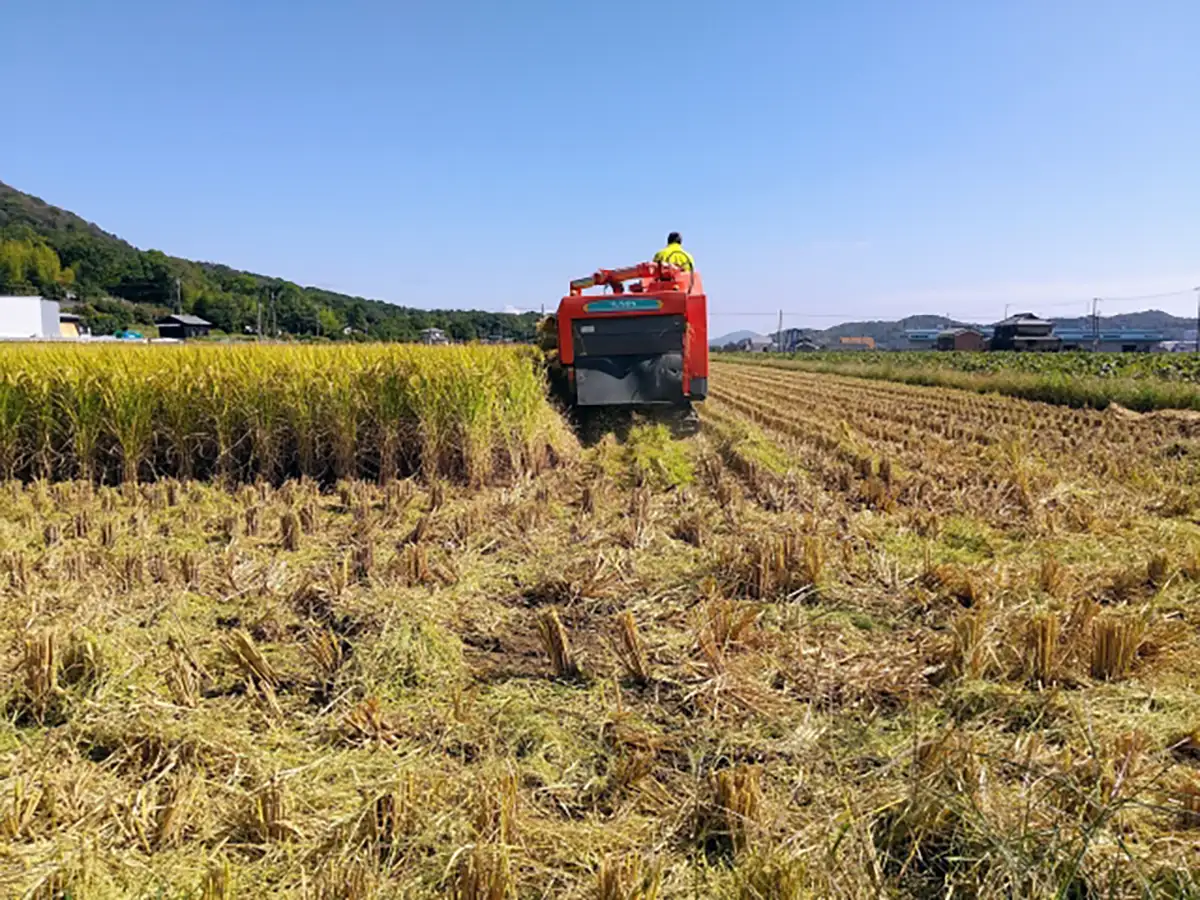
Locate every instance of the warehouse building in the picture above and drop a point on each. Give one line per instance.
(1111, 340)
(181, 327)
(921, 338)
(29, 318)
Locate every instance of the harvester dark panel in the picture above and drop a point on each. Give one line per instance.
(629, 380)
(628, 336)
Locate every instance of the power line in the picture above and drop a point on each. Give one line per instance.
(1147, 296)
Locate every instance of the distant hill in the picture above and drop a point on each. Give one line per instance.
(51, 251)
(732, 338)
(891, 334)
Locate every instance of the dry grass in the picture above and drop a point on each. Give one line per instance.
(852, 640)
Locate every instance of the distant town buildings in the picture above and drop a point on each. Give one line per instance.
(961, 339)
(1110, 340)
(1024, 331)
(856, 343)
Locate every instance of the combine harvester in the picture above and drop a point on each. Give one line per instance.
(637, 349)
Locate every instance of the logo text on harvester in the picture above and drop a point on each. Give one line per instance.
(624, 304)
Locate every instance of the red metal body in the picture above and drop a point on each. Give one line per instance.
(658, 289)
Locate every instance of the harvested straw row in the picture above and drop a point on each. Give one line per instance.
(244, 413)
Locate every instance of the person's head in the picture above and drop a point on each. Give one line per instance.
(674, 238)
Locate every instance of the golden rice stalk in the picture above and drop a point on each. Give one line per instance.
(692, 528)
(325, 649)
(736, 805)
(1187, 795)
(22, 808)
(266, 815)
(52, 534)
(363, 558)
(177, 805)
(289, 531)
(245, 654)
(1158, 570)
(1115, 644)
(1052, 577)
(40, 669)
(392, 815)
(1041, 647)
(350, 879)
(629, 650)
(189, 568)
(484, 873)
(968, 651)
(497, 807)
(185, 676)
(367, 722)
(556, 644)
(308, 518)
(217, 885)
(627, 878)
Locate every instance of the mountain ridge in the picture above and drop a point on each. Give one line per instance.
(891, 333)
(50, 250)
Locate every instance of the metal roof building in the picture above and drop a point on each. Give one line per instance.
(28, 318)
(1110, 340)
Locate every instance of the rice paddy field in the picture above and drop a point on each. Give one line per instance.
(855, 639)
(1143, 382)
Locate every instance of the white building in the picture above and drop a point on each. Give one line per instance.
(25, 318)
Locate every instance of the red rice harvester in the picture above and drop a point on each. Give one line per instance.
(640, 347)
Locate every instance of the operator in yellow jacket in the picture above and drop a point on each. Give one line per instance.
(674, 254)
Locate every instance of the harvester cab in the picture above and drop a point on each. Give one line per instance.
(640, 345)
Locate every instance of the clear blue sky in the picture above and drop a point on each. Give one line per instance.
(836, 159)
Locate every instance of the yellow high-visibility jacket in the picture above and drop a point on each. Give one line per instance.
(675, 255)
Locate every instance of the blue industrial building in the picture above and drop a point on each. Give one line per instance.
(922, 338)
(1110, 340)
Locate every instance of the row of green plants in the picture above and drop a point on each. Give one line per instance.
(1164, 366)
(128, 413)
(1068, 379)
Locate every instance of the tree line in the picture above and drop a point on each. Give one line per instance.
(113, 285)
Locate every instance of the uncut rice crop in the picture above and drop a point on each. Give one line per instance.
(245, 413)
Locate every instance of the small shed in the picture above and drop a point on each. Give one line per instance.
(961, 339)
(433, 336)
(183, 326)
(70, 325)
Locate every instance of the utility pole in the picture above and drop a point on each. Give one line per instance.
(779, 333)
(178, 297)
(1198, 320)
(1095, 324)
(1006, 306)
(258, 326)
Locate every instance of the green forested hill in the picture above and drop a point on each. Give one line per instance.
(53, 252)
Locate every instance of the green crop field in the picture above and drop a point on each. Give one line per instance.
(855, 639)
